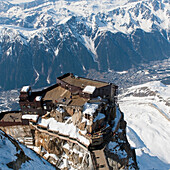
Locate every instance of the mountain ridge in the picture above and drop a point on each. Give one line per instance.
(45, 39)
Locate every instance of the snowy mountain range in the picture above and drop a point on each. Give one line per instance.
(42, 39)
(146, 109)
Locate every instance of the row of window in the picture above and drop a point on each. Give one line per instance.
(30, 113)
(28, 106)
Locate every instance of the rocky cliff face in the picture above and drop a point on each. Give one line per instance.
(65, 154)
(44, 57)
(118, 151)
(21, 133)
(61, 153)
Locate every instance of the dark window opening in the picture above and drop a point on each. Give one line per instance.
(87, 116)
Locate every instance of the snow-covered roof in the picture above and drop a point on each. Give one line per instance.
(25, 88)
(38, 98)
(90, 108)
(63, 128)
(89, 89)
(30, 117)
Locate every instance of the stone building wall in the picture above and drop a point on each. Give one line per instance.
(22, 133)
(66, 153)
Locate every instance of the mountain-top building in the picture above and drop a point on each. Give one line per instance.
(74, 124)
(89, 103)
(71, 91)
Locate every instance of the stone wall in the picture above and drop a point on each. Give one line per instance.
(57, 151)
(22, 133)
(66, 153)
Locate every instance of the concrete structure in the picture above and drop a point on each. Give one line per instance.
(90, 103)
(70, 90)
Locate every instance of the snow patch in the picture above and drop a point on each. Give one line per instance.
(122, 72)
(37, 78)
(90, 45)
(30, 117)
(90, 108)
(25, 88)
(38, 98)
(65, 20)
(56, 52)
(63, 128)
(99, 117)
(9, 150)
(89, 89)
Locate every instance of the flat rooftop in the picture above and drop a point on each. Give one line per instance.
(57, 94)
(12, 117)
(83, 82)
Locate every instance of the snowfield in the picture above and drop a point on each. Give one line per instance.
(9, 159)
(147, 115)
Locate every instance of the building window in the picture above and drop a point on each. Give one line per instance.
(87, 116)
(67, 86)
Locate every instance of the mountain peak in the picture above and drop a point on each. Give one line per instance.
(116, 16)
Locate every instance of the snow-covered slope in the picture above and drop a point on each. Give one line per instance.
(147, 112)
(9, 100)
(13, 155)
(116, 16)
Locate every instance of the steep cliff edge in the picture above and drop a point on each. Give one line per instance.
(118, 151)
